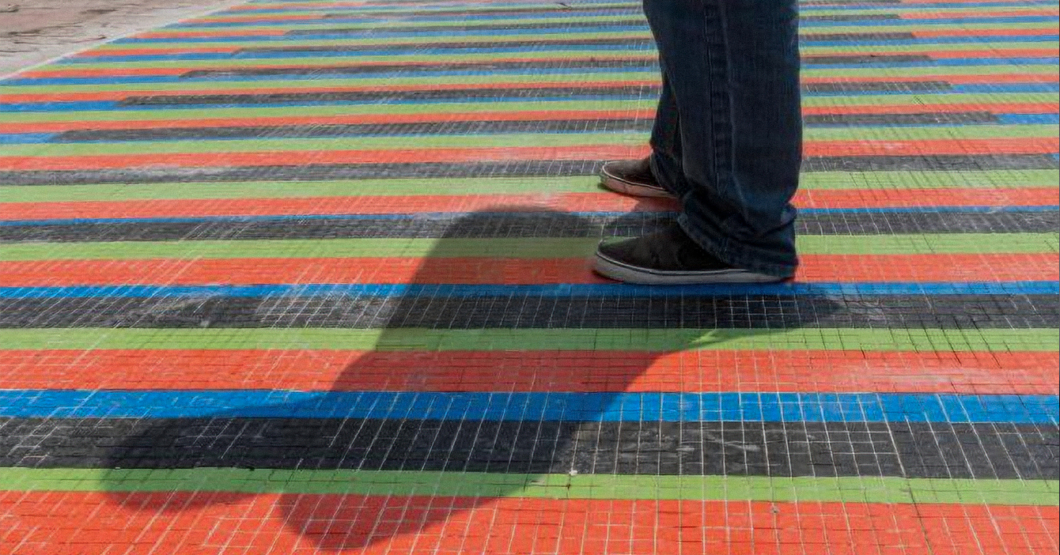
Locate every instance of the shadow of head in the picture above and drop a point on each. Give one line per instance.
(498, 353)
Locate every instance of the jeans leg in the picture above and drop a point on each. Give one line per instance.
(666, 143)
(733, 69)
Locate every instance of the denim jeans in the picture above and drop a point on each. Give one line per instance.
(727, 139)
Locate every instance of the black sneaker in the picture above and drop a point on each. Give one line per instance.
(632, 177)
(668, 257)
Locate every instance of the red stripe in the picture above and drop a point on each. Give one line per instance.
(925, 33)
(973, 14)
(302, 6)
(321, 17)
(122, 95)
(570, 202)
(971, 373)
(967, 147)
(488, 271)
(207, 523)
(997, 53)
(149, 51)
(951, 2)
(206, 33)
(269, 17)
(309, 5)
(533, 115)
(53, 72)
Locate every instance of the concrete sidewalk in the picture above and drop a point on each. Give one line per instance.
(309, 276)
(35, 31)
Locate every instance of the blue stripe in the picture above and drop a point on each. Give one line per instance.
(25, 138)
(806, 39)
(452, 215)
(109, 105)
(425, 50)
(559, 290)
(1029, 119)
(594, 407)
(804, 23)
(423, 10)
(428, 32)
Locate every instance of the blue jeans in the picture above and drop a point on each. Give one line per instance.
(727, 139)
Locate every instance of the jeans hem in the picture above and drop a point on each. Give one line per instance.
(725, 251)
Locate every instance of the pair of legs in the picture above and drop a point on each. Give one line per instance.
(726, 143)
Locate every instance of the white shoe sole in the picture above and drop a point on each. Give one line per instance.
(625, 273)
(619, 185)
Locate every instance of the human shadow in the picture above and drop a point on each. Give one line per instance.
(450, 385)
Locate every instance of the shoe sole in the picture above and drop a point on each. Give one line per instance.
(619, 185)
(616, 270)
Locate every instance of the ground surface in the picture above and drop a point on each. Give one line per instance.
(309, 277)
(35, 31)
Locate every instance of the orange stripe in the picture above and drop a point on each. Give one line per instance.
(213, 33)
(971, 373)
(570, 202)
(59, 126)
(818, 268)
(972, 14)
(997, 53)
(44, 127)
(967, 147)
(265, 17)
(208, 523)
(925, 33)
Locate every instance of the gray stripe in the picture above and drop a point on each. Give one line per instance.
(520, 310)
(910, 450)
(514, 225)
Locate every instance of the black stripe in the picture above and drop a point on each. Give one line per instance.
(910, 450)
(599, 41)
(519, 310)
(526, 168)
(516, 225)
(482, 127)
(487, 93)
(490, 65)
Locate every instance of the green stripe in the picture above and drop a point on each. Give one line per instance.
(506, 140)
(450, 57)
(521, 248)
(844, 75)
(864, 181)
(983, 100)
(541, 486)
(515, 23)
(557, 52)
(952, 11)
(943, 340)
(924, 25)
(488, 40)
(413, 10)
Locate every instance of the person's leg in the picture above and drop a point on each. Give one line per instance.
(638, 177)
(665, 159)
(733, 69)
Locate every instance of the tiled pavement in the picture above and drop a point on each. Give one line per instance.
(308, 276)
